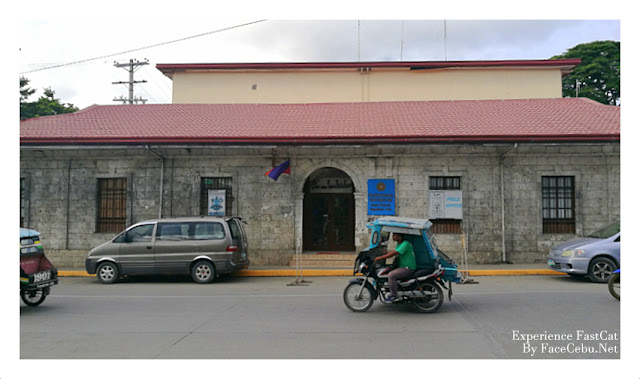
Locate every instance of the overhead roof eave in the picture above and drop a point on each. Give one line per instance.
(318, 140)
(565, 65)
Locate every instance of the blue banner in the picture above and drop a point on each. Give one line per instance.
(381, 197)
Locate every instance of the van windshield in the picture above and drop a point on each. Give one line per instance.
(606, 231)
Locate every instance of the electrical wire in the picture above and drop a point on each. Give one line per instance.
(151, 76)
(144, 48)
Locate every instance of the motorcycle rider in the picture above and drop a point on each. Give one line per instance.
(406, 264)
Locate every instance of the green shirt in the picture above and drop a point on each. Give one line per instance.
(406, 257)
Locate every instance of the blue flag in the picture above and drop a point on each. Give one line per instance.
(277, 171)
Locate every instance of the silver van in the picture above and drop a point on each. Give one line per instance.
(203, 247)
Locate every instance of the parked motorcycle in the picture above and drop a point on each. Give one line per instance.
(614, 284)
(37, 274)
(424, 289)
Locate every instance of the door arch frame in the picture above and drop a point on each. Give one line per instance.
(358, 198)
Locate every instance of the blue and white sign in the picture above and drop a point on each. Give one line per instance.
(217, 204)
(445, 204)
(381, 197)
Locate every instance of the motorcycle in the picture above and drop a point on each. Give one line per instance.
(614, 284)
(424, 289)
(37, 274)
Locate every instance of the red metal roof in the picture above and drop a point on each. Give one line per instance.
(566, 65)
(536, 120)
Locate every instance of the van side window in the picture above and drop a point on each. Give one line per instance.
(209, 231)
(235, 229)
(173, 232)
(140, 233)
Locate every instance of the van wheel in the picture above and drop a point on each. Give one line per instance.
(108, 272)
(203, 272)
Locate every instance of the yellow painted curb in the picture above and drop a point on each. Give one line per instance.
(74, 273)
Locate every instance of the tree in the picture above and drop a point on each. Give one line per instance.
(46, 105)
(25, 92)
(598, 75)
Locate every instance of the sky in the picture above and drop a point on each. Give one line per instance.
(96, 45)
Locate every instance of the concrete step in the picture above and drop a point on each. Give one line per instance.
(324, 260)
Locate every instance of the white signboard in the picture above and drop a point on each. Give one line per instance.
(436, 204)
(445, 204)
(217, 203)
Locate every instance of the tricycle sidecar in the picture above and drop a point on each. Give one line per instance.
(418, 232)
(37, 274)
(434, 269)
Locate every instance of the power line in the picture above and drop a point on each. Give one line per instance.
(162, 87)
(143, 48)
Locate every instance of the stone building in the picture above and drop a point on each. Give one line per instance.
(488, 149)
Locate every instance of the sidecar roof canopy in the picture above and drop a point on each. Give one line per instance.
(28, 233)
(402, 225)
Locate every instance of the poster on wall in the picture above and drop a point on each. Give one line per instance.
(445, 204)
(217, 204)
(436, 204)
(381, 197)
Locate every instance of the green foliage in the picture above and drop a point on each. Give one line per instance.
(598, 75)
(25, 92)
(46, 105)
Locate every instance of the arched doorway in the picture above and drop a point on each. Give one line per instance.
(328, 221)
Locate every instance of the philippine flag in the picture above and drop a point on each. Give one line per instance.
(277, 171)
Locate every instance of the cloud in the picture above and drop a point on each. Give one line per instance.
(273, 41)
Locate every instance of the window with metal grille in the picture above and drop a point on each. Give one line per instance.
(558, 200)
(444, 183)
(207, 184)
(112, 205)
(444, 225)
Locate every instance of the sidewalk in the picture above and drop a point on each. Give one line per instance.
(286, 271)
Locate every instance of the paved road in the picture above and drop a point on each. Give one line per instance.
(266, 318)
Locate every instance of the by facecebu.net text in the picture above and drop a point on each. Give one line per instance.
(575, 342)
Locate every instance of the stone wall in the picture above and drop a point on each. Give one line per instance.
(61, 191)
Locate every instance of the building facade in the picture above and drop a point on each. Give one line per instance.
(295, 83)
(514, 176)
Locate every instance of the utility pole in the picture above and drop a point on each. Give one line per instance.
(131, 67)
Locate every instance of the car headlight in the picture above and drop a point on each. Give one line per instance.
(573, 253)
(578, 253)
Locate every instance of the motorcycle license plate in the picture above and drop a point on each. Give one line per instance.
(41, 276)
(551, 263)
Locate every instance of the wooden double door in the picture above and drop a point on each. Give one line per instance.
(329, 222)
